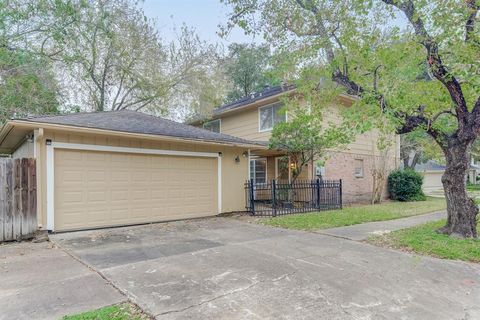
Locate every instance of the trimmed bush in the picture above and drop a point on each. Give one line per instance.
(405, 185)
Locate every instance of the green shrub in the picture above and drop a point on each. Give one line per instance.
(405, 185)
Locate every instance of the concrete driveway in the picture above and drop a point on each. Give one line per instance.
(38, 281)
(226, 269)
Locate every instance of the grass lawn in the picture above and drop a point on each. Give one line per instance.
(355, 215)
(473, 187)
(424, 240)
(124, 311)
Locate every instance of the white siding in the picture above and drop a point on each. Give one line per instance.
(24, 151)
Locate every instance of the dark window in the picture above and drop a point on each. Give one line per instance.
(213, 125)
(258, 170)
(271, 115)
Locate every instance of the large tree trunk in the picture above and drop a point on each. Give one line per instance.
(415, 159)
(462, 211)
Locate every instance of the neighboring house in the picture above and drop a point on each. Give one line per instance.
(473, 173)
(122, 167)
(254, 117)
(432, 173)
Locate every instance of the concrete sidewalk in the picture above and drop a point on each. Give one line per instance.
(362, 231)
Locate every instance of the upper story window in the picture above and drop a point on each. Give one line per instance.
(270, 115)
(213, 125)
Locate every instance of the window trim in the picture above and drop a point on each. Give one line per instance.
(363, 168)
(259, 117)
(219, 125)
(254, 171)
(321, 168)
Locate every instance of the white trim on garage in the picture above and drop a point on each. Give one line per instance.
(50, 188)
(51, 146)
(219, 183)
(91, 147)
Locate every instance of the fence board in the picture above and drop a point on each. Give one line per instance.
(2, 200)
(32, 195)
(25, 214)
(18, 198)
(8, 184)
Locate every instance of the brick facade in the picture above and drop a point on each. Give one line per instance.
(355, 189)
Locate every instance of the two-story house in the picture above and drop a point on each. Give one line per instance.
(122, 167)
(254, 117)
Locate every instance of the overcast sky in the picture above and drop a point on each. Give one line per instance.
(203, 15)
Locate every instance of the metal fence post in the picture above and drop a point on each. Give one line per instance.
(318, 193)
(252, 197)
(274, 198)
(341, 201)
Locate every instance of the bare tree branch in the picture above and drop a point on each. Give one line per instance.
(310, 6)
(435, 117)
(375, 78)
(476, 116)
(470, 24)
(339, 43)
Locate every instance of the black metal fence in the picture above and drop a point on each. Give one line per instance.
(277, 198)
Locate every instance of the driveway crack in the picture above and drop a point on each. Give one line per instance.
(282, 277)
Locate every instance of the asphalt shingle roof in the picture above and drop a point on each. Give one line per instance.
(430, 165)
(268, 92)
(138, 122)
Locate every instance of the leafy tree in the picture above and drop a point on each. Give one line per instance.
(205, 92)
(418, 147)
(27, 80)
(247, 68)
(107, 55)
(26, 85)
(34, 26)
(381, 151)
(305, 139)
(114, 54)
(356, 48)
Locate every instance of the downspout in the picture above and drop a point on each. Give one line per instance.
(248, 165)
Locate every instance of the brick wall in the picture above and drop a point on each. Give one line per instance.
(355, 189)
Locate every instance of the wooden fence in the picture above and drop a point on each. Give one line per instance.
(18, 199)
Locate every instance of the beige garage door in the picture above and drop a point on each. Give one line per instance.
(432, 181)
(98, 189)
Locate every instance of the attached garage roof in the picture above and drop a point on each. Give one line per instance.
(137, 122)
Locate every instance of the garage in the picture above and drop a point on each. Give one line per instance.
(432, 173)
(100, 189)
(118, 168)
